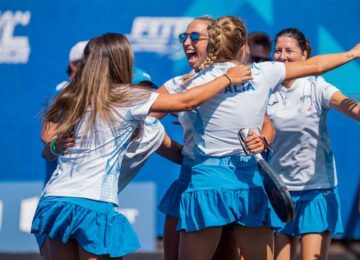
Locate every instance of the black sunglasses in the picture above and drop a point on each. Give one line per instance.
(259, 59)
(194, 37)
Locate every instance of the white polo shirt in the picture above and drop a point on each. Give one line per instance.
(215, 124)
(92, 168)
(302, 151)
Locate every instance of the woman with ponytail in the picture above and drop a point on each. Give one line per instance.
(195, 42)
(225, 186)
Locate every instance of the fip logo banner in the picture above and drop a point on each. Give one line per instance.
(36, 36)
(13, 49)
(158, 35)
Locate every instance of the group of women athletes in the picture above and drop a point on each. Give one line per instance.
(219, 192)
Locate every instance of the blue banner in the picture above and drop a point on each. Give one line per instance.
(36, 36)
(18, 201)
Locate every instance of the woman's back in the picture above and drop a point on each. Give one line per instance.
(93, 165)
(218, 121)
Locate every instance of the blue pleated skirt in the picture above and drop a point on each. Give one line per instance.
(224, 190)
(316, 211)
(96, 226)
(170, 203)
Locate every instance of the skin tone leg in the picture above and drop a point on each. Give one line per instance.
(315, 246)
(255, 242)
(171, 238)
(285, 247)
(227, 247)
(84, 255)
(55, 249)
(199, 245)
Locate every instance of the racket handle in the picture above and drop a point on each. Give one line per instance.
(244, 132)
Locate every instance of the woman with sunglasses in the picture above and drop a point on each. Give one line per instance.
(260, 47)
(195, 41)
(302, 153)
(225, 185)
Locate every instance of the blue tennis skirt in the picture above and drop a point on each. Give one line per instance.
(224, 190)
(170, 203)
(96, 226)
(316, 211)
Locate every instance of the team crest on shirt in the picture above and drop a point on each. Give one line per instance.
(240, 88)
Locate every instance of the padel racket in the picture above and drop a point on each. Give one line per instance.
(275, 189)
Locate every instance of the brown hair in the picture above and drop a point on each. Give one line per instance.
(260, 38)
(101, 82)
(303, 43)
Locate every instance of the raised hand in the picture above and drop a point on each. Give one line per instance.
(239, 74)
(63, 143)
(254, 143)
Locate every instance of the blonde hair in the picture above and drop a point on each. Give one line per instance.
(208, 20)
(101, 83)
(227, 35)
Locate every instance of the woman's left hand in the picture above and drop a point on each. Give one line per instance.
(254, 143)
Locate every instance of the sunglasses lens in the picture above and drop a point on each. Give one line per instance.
(194, 36)
(182, 37)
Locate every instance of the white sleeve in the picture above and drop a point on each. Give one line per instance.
(274, 72)
(141, 110)
(175, 85)
(148, 140)
(324, 91)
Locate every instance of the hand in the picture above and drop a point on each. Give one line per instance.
(254, 143)
(355, 52)
(239, 74)
(63, 143)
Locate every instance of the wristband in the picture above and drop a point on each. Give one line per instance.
(266, 143)
(230, 83)
(53, 148)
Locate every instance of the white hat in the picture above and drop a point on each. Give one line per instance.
(77, 51)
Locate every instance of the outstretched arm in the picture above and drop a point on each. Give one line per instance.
(320, 64)
(345, 105)
(161, 90)
(194, 97)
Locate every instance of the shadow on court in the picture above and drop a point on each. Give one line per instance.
(340, 250)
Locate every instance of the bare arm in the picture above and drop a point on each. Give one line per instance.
(268, 130)
(345, 105)
(170, 150)
(320, 64)
(161, 90)
(194, 97)
(48, 133)
(255, 143)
